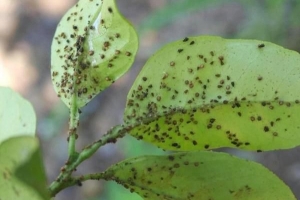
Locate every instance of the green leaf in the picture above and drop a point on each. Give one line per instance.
(22, 173)
(209, 92)
(93, 46)
(198, 175)
(17, 116)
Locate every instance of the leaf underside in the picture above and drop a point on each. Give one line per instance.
(22, 174)
(207, 92)
(93, 46)
(17, 116)
(198, 175)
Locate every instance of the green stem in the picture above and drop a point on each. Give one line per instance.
(64, 179)
(79, 179)
(110, 137)
(73, 125)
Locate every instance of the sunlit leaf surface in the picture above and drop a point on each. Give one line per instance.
(208, 92)
(17, 116)
(22, 173)
(93, 46)
(200, 176)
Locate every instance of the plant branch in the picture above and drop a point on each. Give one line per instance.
(73, 125)
(110, 137)
(64, 179)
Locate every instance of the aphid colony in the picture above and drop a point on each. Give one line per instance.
(86, 53)
(140, 176)
(181, 106)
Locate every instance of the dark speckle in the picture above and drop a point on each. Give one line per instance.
(185, 39)
(179, 50)
(266, 128)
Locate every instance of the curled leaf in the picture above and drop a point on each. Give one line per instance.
(93, 46)
(209, 92)
(199, 176)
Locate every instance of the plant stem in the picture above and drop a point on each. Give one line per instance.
(110, 137)
(73, 125)
(64, 179)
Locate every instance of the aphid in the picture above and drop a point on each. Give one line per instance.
(172, 63)
(165, 76)
(117, 52)
(54, 73)
(200, 67)
(174, 144)
(192, 42)
(259, 118)
(212, 120)
(275, 134)
(212, 53)
(179, 50)
(110, 10)
(144, 78)
(266, 128)
(259, 78)
(78, 81)
(106, 44)
(91, 53)
(221, 59)
(261, 45)
(128, 53)
(117, 35)
(185, 39)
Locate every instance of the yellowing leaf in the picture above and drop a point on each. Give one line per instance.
(199, 176)
(22, 174)
(93, 46)
(17, 116)
(209, 92)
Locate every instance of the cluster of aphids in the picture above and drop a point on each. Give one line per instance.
(81, 57)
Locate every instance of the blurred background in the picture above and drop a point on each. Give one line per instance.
(26, 31)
